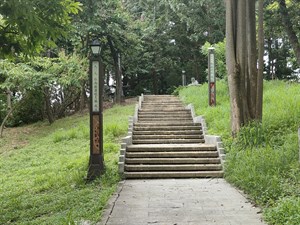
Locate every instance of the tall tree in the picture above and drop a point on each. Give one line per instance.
(260, 71)
(241, 59)
(289, 27)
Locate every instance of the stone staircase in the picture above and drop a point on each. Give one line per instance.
(166, 143)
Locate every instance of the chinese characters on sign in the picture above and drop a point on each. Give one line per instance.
(95, 88)
(211, 77)
(212, 67)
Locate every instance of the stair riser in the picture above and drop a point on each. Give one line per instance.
(174, 132)
(143, 137)
(164, 116)
(144, 168)
(172, 161)
(172, 149)
(172, 155)
(168, 141)
(181, 112)
(166, 128)
(171, 124)
(157, 120)
(142, 175)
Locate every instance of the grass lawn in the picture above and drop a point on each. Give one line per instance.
(43, 170)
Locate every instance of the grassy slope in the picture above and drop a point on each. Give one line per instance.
(263, 159)
(42, 174)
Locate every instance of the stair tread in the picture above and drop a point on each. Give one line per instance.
(172, 160)
(177, 146)
(173, 174)
(185, 154)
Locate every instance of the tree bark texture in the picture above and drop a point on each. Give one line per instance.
(154, 81)
(289, 29)
(241, 61)
(259, 97)
(48, 106)
(9, 112)
(118, 75)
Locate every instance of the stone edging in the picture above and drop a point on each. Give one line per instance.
(209, 139)
(128, 139)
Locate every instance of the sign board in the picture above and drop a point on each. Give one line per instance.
(95, 86)
(212, 67)
(211, 77)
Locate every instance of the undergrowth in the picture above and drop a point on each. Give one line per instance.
(45, 181)
(263, 159)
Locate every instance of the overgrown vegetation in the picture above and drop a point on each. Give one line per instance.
(263, 159)
(43, 173)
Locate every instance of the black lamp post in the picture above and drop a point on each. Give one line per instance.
(96, 76)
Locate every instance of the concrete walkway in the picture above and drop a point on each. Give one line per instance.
(179, 202)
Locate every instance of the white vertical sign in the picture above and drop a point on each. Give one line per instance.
(95, 84)
(212, 66)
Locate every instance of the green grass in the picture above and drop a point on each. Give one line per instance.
(263, 159)
(44, 180)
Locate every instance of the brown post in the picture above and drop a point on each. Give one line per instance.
(211, 77)
(96, 162)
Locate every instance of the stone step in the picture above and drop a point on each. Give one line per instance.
(170, 147)
(172, 174)
(162, 123)
(172, 136)
(172, 160)
(171, 102)
(164, 110)
(173, 154)
(167, 141)
(171, 132)
(151, 115)
(166, 115)
(174, 167)
(169, 117)
(166, 128)
(163, 105)
(156, 120)
(159, 96)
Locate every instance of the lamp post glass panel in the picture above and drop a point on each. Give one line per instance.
(96, 162)
(211, 77)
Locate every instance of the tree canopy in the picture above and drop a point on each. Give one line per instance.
(27, 26)
(145, 44)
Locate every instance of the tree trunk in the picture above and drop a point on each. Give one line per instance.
(289, 29)
(82, 97)
(252, 59)
(118, 75)
(10, 110)
(232, 66)
(47, 98)
(259, 97)
(154, 81)
(241, 59)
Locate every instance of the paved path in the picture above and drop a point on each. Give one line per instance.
(180, 202)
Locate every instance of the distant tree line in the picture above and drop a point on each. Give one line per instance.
(45, 50)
